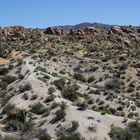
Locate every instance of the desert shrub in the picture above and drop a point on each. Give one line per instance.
(2, 94)
(70, 137)
(107, 111)
(16, 120)
(64, 135)
(25, 87)
(119, 113)
(69, 93)
(16, 114)
(137, 103)
(54, 74)
(5, 80)
(132, 84)
(8, 108)
(80, 77)
(42, 134)
(59, 115)
(113, 84)
(3, 70)
(25, 96)
(19, 62)
(133, 107)
(59, 83)
(131, 132)
(93, 68)
(62, 71)
(41, 69)
(34, 97)
(118, 133)
(82, 105)
(75, 125)
(49, 98)
(62, 105)
(122, 67)
(130, 89)
(90, 101)
(5, 99)
(45, 76)
(51, 90)
(92, 128)
(3, 85)
(38, 109)
(91, 79)
(10, 66)
(131, 115)
(8, 79)
(20, 76)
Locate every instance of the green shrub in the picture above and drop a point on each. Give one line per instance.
(8, 108)
(59, 115)
(137, 103)
(130, 89)
(51, 90)
(91, 79)
(113, 84)
(3, 85)
(34, 97)
(20, 76)
(5, 99)
(131, 132)
(59, 83)
(42, 134)
(38, 109)
(80, 77)
(75, 125)
(49, 98)
(69, 93)
(16, 114)
(118, 133)
(64, 135)
(45, 76)
(16, 120)
(8, 79)
(26, 87)
(3, 71)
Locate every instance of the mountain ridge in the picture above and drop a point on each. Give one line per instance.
(88, 24)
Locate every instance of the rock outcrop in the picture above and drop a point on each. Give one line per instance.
(54, 31)
(116, 29)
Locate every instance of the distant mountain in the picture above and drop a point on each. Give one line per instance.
(87, 24)
(84, 25)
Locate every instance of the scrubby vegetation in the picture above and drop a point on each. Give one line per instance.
(70, 85)
(131, 132)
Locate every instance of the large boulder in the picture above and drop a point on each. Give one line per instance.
(57, 31)
(91, 30)
(49, 30)
(80, 32)
(128, 30)
(116, 30)
(54, 31)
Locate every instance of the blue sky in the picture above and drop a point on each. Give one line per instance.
(44, 13)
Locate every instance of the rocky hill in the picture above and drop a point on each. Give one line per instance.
(79, 84)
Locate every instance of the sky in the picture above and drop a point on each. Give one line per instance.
(45, 13)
